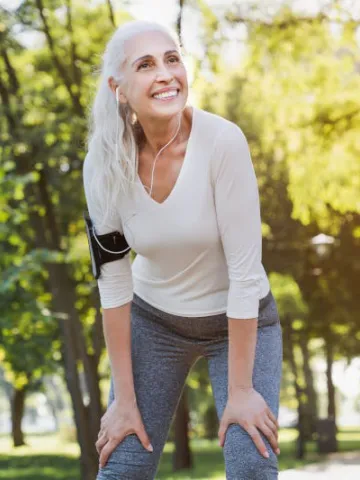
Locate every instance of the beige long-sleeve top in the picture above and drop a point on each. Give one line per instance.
(198, 252)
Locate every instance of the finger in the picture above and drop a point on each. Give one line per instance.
(272, 417)
(256, 438)
(144, 439)
(221, 433)
(100, 443)
(270, 436)
(272, 426)
(106, 451)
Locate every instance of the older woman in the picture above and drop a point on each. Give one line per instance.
(179, 184)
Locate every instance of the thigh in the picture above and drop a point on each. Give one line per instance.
(242, 459)
(161, 363)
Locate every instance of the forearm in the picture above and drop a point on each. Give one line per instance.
(117, 332)
(242, 344)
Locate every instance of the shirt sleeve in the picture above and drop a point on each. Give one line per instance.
(115, 283)
(238, 215)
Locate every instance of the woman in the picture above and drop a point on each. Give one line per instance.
(179, 183)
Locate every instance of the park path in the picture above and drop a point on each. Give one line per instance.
(338, 466)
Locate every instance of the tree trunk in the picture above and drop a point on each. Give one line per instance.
(311, 396)
(17, 412)
(63, 290)
(182, 457)
(62, 287)
(211, 422)
(330, 384)
(289, 345)
(87, 418)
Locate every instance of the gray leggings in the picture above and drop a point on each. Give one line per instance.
(164, 349)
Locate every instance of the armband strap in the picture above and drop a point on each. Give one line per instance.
(104, 248)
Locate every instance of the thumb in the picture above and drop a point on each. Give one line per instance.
(144, 439)
(222, 431)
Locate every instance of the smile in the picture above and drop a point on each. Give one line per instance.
(166, 95)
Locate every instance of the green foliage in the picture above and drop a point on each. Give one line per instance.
(44, 98)
(294, 95)
(306, 75)
(288, 297)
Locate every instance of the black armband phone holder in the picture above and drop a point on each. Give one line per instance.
(104, 248)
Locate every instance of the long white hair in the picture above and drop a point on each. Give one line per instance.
(113, 139)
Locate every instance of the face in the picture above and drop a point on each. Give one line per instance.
(154, 81)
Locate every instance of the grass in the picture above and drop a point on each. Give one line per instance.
(50, 458)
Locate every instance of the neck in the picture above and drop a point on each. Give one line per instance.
(159, 132)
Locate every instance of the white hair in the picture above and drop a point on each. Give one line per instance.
(113, 138)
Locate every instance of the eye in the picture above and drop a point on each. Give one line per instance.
(144, 65)
(174, 59)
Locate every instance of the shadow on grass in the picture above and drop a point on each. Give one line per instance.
(207, 464)
(39, 467)
(52, 467)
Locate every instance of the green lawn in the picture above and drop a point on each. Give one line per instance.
(49, 458)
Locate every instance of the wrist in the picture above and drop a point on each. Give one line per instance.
(125, 392)
(243, 387)
(123, 384)
(125, 398)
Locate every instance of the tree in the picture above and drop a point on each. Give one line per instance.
(28, 339)
(43, 94)
(290, 105)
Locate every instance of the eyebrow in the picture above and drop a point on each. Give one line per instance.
(150, 56)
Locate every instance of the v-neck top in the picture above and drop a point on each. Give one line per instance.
(182, 170)
(199, 251)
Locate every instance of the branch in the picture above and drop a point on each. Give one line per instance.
(280, 24)
(74, 57)
(50, 218)
(5, 99)
(14, 83)
(291, 21)
(4, 36)
(60, 67)
(346, 116)
(179, 19)
(324, 119)
(111, 13)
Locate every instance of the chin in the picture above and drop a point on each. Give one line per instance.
(167, 109)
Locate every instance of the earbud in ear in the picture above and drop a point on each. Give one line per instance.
(117, 94)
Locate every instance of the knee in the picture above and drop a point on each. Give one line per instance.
(252, 467)
(243, 460)
(130, 461)
(126, 471)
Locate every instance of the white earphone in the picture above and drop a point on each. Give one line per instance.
(159, 152)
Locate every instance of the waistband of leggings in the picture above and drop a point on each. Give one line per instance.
(151, 309)
(141, 303)
(265, 300)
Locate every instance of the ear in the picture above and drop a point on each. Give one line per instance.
(117, 90)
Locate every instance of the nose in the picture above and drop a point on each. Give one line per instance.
(163, 74)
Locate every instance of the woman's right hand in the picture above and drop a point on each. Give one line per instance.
(121, 419)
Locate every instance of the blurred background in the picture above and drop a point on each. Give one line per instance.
(288, 73)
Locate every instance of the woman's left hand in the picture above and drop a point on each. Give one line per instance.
(249, 409)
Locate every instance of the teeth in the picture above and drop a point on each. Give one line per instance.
(173, 93)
